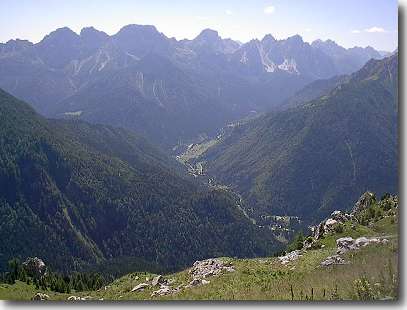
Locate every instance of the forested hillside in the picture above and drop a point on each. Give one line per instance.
(77, 195)
(319, 155)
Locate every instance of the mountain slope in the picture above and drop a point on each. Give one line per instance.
(301, 161)
(346, 60)
(173, 92)
(366, 269)
(78, 195)
(313, 91)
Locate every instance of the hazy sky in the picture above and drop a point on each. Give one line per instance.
(348, 22)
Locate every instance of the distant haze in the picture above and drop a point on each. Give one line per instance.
(350, 23)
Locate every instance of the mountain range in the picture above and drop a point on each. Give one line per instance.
(170, 91)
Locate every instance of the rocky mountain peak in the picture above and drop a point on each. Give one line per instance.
(268, 38)
(208, 35)
(91, 32)
(92, 38)
(13, 46)
(296, 39)
(134, 30)
(61, 35)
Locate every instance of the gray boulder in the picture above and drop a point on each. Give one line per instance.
(40, 296)
(319, 231)
(289, 257)
(139, 287)
(157, 280)
(333, 260)
(345, 244)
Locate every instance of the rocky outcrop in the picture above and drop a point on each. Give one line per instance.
(199, 273)
(292, 256)
(209, 267)
(345, 244)
(328, 225)
(139, 287)
(40, 296)
(78, 298)
(333, 260)
(348, 243)
(341, 217)
(165, 286)
(364, 202)
(197, 282)
(35, 267)
(165, 290)
(157, 280)
(318, 231)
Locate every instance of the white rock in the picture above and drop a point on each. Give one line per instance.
(139, 287)
(292, 256)
(333, 260)
(40, 296)
(329, 223)
(157, 280)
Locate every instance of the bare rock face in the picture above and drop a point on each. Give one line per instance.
(40, 296)
(35, 267)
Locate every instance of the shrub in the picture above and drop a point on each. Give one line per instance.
(338, 228)
(316, 245)
(297, 243)
(363, 289)
(335, 294)
(385, 196)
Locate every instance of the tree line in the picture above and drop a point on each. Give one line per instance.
(53, 281)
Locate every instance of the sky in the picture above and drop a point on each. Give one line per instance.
(348, 22)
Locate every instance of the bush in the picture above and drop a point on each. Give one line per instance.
(316, 245)
(385, 196)
(338, 228)
(335, 294)
(297, 243)
(363, 290)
